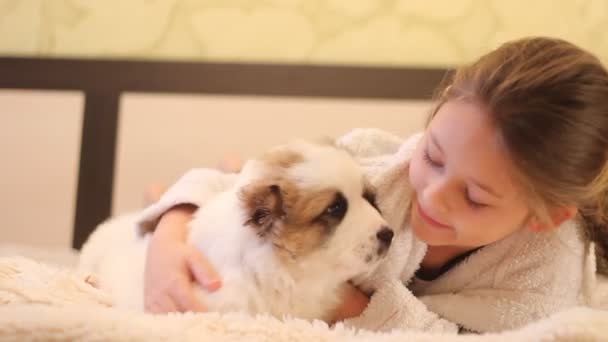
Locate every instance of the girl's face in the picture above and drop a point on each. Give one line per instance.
(464, 193)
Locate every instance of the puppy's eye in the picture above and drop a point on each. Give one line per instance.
(339, 206)
(370, 197)
(260, 215)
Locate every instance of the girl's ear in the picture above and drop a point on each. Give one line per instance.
(557, 215)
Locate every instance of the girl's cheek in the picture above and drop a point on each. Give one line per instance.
(416, 173)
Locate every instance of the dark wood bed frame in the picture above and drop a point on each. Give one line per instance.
(103, 81)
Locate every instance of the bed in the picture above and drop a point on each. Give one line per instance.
(43, 298)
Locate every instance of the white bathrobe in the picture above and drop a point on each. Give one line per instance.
(504, 285)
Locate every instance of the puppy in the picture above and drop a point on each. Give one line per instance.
(297, 224)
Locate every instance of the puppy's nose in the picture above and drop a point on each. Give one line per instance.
(385, 235)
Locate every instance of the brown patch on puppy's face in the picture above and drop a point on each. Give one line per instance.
(264, 206)
(311, 221)
(295, 221)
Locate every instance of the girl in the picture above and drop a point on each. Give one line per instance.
(498, 202)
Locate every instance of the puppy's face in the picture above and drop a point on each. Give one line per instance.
(312, 204)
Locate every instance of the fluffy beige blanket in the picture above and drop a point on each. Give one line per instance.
(40, 302)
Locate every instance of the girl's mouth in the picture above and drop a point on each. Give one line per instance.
(428, 219)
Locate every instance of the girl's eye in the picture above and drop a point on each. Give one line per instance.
(431, 162)
(472, 203)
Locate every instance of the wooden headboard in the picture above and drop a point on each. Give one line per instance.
(103, 81)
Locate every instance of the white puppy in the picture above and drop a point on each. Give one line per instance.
(294, 228)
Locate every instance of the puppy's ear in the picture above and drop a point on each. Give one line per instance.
(264, 206)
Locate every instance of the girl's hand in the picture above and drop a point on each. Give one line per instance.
(231, 163)
(172, 265)
(353, 304)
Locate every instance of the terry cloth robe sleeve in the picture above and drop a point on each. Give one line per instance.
(520, 279)
(508, 284)
(504, 285)
(385, 160)
(195, 187)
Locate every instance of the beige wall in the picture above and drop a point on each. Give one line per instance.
(160, 137)
(39, 145)
(405, 32)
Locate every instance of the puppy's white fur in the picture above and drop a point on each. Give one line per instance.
(293, 263)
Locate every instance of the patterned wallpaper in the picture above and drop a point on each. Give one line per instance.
(404, 32)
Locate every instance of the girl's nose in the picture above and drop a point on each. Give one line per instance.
(436, 195)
